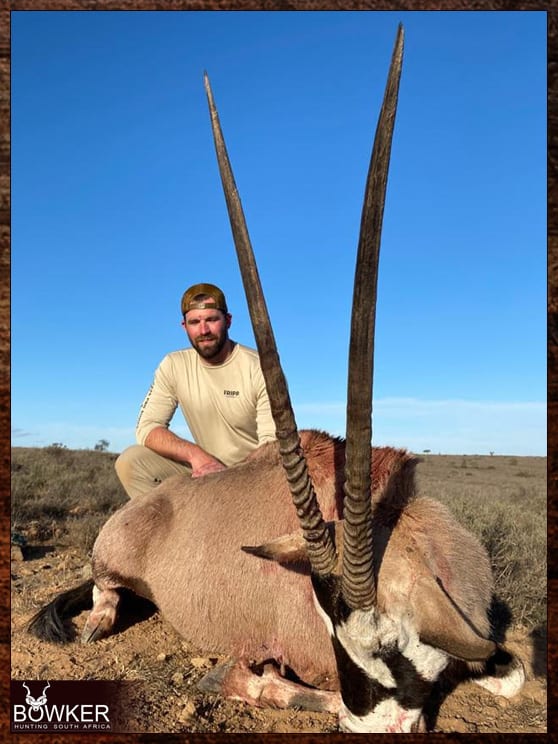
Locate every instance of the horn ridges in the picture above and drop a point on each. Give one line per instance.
(321, 550)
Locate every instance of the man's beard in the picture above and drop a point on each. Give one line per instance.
(209, 350)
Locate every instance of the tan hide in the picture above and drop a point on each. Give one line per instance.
(438, 620)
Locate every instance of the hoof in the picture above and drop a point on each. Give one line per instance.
(213, 681)
(89, 635)
(97, 627)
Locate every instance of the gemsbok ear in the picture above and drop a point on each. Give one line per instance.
(440, 623)
(284, 549)
(292, 547)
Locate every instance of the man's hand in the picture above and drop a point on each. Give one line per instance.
(203, 463)
(213, 466)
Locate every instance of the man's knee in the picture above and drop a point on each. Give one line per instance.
(132, 469)
(127, 462)
(140, 469)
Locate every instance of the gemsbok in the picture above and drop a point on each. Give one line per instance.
(352, 601)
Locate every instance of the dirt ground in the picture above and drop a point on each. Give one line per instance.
(169, 668)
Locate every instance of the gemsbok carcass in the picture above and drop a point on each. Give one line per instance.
(353, 601)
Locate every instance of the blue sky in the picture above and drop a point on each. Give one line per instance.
(117, 207)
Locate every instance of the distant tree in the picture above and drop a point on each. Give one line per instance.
(58, 445)
(427, 452)
(102, 445)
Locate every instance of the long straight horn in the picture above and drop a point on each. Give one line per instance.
(321, 549)
(358, 587)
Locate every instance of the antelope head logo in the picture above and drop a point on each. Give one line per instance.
(36, 703)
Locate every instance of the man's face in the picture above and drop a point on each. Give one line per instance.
(207, 330)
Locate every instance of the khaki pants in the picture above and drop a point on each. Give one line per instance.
(140, 469)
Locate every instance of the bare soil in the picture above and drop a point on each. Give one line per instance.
(146, 648)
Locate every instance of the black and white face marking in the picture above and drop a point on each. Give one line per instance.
(385, 672)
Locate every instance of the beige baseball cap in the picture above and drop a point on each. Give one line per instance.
(217, 300)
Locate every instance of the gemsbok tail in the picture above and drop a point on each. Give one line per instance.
(51, 622)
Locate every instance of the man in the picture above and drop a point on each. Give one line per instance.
(220, 389)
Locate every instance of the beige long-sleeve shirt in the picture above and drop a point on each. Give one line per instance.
(225, 406)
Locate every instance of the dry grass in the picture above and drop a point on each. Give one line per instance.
(64, 496)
